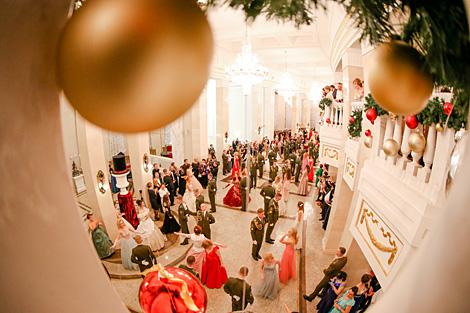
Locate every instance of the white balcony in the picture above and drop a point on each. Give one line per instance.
(330, 134)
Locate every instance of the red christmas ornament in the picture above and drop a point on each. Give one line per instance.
(448, 107)
(368, 133)
(351, 120)
(411, 121)
(328, 121)
(319, 203)
(371, 115)
(169, 290)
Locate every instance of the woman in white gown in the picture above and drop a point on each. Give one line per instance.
(152, 236)
(127, 244)
(299, 224)
(194, 182)
(197, 250)
(189, 198)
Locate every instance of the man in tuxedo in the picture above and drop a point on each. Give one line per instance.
(142, 255)
(168, 180)
(199, 199)
(333, 91)
(298, 167)
(243, 188)
(156, 169)
(212, 190)
(257, 234)
(183, 213)
(337, 265)
(195, 166)
(273, 216)
(205, 219)
(174, 176)
(268, 193)
(225, 163)
(185, 165)
(190, 260)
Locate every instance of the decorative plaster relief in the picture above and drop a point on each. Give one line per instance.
(380, 239)
(350, 168)
(331, 153)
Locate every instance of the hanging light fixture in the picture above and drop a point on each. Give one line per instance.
(286, 88)
(246, 71)
(315, 90)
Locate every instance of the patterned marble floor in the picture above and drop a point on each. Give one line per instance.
(232, 228)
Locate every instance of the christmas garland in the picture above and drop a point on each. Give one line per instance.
(355, 128)
(324, 102)
(434, 113)
(372, 104)
(438, 29)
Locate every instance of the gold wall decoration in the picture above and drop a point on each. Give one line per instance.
(330, 152)
(393, 249)
(102, 186)
(350, 168)
(146, 162)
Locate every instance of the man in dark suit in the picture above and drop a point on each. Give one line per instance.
(261, 162)
(225, 163)
(142, 255)
(239, 290)
(189, 266)
(185, 165)
(168, 180)
(268, 193)
(174, 175)
(243, 188)
(273, 216)
(195, 167)
(204, 219)
(212, 190)
(253, 169)
(183, 213)
(337, 265)
(257, 234)
(199, 199)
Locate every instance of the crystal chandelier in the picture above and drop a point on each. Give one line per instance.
(315, 90)
(246, 71)
(286, 88)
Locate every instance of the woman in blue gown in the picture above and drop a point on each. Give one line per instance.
(337, 285)
(346, 302)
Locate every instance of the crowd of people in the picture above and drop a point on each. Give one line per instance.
(289, 158)
(336, 93)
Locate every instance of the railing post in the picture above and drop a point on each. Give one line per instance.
(428, 157)
(388, 135)
(397, 136)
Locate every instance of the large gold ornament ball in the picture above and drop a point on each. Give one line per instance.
(398, 78)
(417, 142)
(135, 65)
(390, 147)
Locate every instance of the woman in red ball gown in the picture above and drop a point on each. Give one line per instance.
(311, 174)
(236, 165)
(288, 264)
(233, 197)
(213, 271)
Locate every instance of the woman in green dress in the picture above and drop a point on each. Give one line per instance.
(318, 174)
(100, 238)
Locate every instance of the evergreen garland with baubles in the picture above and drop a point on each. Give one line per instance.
(372, 104)
(355, 123)
(324, 102)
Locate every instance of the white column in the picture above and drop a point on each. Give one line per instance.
(222, 125)
(138, 145)
(405, 149)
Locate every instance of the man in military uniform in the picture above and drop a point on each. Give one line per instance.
(253, 169)
(271, 157)
(212, 190)
(292, 159)
(204, 219)
(273, 216)
(199, 199)
(243, 187)
(298, 167)
(268, 193)
(310, 148)
(257, 234)
(183, 213)
(273, 170)
(261, 162)
(211, 150)
(239, 290)
(286, 150)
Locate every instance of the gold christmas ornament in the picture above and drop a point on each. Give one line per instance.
(390, 147)
(368, 141)
(398, 79)
(439, 128)
(350, 137)
(417, 142)
(135, 65)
